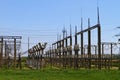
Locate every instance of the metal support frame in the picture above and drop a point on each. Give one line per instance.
(36, 53)
(9, 47)
(89, 41)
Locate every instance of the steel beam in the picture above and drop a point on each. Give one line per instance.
(90, 28)
(11, 37)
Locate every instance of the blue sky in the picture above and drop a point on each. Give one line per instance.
(42, 20)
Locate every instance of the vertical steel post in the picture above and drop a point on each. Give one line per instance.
(71, 47)
(99, 40)
(99, 47)
(1, 55)
(57, 53)
(96, 61)
(111, 54)
(102, 57)
(63, 52)
(5, 55)
(89, 45)
(66, 53)
(63, 47)
(82, 43)
(76, 51)
(50, 56)
(14, 53)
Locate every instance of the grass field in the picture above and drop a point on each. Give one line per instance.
(57, 74)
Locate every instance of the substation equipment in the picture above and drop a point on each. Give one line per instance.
(10, 50)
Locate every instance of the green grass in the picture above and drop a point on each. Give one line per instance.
(58, 74)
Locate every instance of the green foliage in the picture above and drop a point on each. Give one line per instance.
(59, 74)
